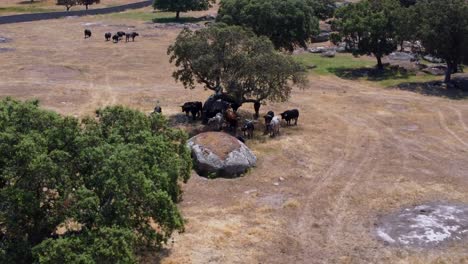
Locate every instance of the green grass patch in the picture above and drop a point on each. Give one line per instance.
(156, 17)
(347, 66)
(25, 9)
(327, 66)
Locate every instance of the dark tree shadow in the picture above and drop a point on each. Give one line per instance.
(457, 91)
(181, 20)
(370, 74)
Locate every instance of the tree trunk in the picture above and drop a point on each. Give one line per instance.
(86, 7)
(177, 15)
(68, 8)
(401, 46)
(448, 73)
(379, 62)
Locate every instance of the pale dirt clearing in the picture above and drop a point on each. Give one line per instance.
(359, 151)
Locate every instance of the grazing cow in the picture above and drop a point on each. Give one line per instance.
(120, 34)
(195, 108)
(290, 115)
(87, 33)
(248, 128)
(216, 122)
(157, 109)
(115, 38)
(231, 118)
(108, 36)
(132, 35)
(268, 117)
(274, 126)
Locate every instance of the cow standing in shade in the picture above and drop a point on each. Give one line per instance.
(268, 117)
(274, 126)
(248, 129)
(195, 108)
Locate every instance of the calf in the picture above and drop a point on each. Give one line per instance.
(248, 129)
(290, 115)
(195, 108)
(216, 122)
(87, 33)
(274, 126)
(231, 118)
(132, 35)
(108, 36)
(115, 38)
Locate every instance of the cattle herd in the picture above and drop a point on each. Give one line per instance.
(116, 37)
(219, 111)
(219, 114)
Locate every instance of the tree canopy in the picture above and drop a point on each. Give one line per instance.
(70, 3)
(287, 23)
(87, 192)
(368, 27)
(182, 5)
(443, 30)
(229, 59)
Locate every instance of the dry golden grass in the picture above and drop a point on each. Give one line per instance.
(358, 152)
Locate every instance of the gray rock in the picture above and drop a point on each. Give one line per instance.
(322, 37)
(402, 56)
(425, 226)
(435, 70)
(317, 50)
(220, 154)
(328, 54)
(433, 59)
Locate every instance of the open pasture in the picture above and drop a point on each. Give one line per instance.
(359, 151)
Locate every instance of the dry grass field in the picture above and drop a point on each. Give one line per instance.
(360, 150)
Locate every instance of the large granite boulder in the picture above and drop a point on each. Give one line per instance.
(217, 154)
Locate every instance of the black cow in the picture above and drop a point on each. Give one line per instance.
(257, 109)
(218, 103)
(108, 36)
(157, 109)
(87, 33)
(248, 128)
(195, 108)
(115, 38)
(120, 34)
(268, 117)
(132, 35)
(241, 139)
(290, 115)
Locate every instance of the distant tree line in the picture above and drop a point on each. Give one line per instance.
(70, 3)
(377, 27)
